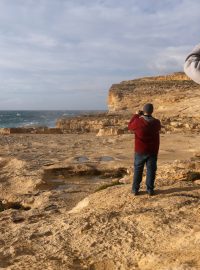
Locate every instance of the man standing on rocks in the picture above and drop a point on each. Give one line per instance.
(147, 140)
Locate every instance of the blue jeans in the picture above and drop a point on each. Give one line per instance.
(151, 163)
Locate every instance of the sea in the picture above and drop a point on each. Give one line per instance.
(13, 119)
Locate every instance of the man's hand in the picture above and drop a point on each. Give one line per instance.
(139, 112)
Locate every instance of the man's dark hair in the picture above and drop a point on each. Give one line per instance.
(148, 108)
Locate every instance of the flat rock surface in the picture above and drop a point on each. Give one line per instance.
(57, 211)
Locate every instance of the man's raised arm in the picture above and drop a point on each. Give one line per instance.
(133, 123)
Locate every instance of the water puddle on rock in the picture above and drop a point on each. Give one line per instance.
(81, 178)
(82, 159)
(76, 184)
(106, 158)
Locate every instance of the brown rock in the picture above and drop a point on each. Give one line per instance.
(170, 94)
(110, 131)
(39, 130)
(110, 124)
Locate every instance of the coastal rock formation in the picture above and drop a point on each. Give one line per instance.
(110, 124)
(33, 130)
(175, 97)
(66, 201)
(171, 95)
(111, 131)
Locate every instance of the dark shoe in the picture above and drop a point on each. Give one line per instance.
(151, 192)
(135, 193)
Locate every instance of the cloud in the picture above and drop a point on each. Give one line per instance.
(50, 49)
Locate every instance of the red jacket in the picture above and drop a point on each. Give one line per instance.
(146, 129)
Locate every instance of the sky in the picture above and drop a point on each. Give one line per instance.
(66, 54)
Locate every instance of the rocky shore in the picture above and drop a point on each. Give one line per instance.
(174, 96)
(65, 200)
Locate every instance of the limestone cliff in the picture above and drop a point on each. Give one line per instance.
(171, 95)
(175, 98)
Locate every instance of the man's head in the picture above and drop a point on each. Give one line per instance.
(148, 108)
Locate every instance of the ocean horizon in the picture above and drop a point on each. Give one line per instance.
(37, 118)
